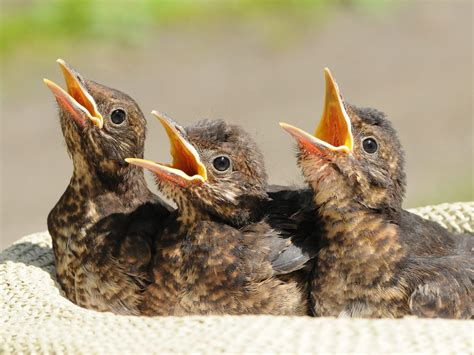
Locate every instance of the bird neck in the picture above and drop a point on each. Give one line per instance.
(190, 213)
(192, 208)
(125, 182)
(346, 219)
(88, 199)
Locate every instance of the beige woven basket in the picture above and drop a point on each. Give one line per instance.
(36, 318)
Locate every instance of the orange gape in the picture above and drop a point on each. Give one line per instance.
(334, 131)
(77, 99)
(186, 167)
(334, 127)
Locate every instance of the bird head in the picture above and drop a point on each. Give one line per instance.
(354, 151)
(101, 125)
(215, 166)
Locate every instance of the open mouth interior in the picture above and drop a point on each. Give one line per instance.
(185, 158)
(76, 99)
(77, 90)
(186, 166)
(334, 129)
(334, 132)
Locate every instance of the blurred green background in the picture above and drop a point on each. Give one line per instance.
(251, 62)
(129, 22)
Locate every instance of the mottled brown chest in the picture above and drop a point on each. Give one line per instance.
(204, 270)
(356, 272)
(95, 253)
(192, 269)
(68, 224)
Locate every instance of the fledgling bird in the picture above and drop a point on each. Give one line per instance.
(376, 259)
(102, 226)
(218, 254)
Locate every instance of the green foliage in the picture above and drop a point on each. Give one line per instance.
(42, 21)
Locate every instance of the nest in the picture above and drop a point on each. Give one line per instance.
(36, 318)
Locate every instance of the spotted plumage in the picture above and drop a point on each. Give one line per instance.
(102, 226)
(218, 254)
(376, 259)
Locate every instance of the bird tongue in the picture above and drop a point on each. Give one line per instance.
(186, 167)
(77, 99)
(334, 130)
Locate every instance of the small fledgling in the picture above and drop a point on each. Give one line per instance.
(104, 223)
(218, 254)
(376, 259)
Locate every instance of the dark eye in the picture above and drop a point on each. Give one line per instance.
(118, 116)
(221, 163)
(370, 145)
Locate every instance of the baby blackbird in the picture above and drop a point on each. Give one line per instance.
(217, 254)
(103, 225)
(376, 259)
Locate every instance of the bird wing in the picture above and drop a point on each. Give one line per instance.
(465, 244)
(129, 237)
(277, 250)
(424, 237)
(442, 286)
(293, 213)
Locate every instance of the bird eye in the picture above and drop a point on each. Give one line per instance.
(370, 145)
(118, 116)
(221, 163)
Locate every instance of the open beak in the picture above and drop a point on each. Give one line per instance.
(334, 131)
(186, 168)
(76, 100)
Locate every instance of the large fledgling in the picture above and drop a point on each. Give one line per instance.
(218, 254)
(376, 259)
(102, 226)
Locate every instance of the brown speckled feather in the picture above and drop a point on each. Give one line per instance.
(212, 268)
(103, 225)
(377, 260)
(217, 254)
